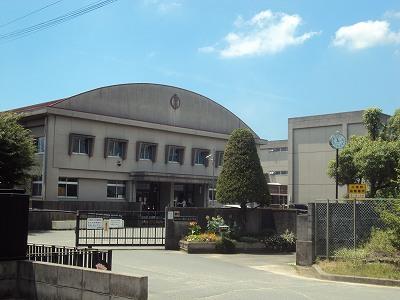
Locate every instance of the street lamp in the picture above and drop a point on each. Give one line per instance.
(211, 158)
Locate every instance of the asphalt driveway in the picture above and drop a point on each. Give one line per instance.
(177, 275)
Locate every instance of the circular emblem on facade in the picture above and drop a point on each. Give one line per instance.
(175, 101)
(337, 141)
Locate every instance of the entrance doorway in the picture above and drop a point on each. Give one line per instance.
(148, 194)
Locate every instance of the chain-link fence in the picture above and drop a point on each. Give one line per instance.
(345, 223)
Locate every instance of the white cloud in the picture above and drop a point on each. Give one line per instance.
(366, 34)
(163, 6)
(266, 32)
(392, 14)
(207, 49)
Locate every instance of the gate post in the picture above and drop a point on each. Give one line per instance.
(327, 229)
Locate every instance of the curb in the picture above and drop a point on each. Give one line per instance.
(320, 274)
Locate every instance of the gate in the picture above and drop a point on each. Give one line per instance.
(120, 228)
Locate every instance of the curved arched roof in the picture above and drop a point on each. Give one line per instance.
(152, 103)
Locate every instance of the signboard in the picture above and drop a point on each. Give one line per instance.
(357, 190)
(94, 223)
(170, 215)
(116, 223)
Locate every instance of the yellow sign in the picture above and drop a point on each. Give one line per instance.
(356, 190)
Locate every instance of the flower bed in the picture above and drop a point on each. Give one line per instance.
(214, 241)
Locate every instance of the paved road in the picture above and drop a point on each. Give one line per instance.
(176, 275)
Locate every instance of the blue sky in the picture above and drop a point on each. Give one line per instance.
(265, 61)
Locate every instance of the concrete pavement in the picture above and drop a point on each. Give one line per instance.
(177, 275)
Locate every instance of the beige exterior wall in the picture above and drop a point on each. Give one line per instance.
(309, 153)
(274, 160)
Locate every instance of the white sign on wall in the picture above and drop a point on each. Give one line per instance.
(94, 223)
(116, 223)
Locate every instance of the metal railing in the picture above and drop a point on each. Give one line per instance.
(87, 257)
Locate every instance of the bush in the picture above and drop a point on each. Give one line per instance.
(281, 243)
(359, 254)
(194, 228)
(381, 244)
(213, 223)
(225, 245)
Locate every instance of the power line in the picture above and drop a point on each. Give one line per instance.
(29, 14)
(55, 21)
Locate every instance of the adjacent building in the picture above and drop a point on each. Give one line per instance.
(300, 163)
(152, 144)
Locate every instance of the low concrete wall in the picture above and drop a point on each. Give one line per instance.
(38, 280)
(258, 221)
(42, 219)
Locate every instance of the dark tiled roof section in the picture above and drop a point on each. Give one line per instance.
(38, 106)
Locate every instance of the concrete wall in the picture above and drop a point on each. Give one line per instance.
(38, 280)
(93, 172)
(309, 153)
(274, 161)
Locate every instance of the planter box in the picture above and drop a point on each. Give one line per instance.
(241, 247)
(197, 247)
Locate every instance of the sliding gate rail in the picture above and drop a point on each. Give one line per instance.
(120, 228)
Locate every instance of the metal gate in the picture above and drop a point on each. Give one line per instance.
(120, 228)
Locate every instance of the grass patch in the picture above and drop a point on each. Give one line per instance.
(363, 269)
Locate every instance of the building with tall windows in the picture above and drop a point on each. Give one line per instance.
(143, 143)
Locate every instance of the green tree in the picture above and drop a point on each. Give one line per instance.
(392, 132)
(373, 122)
(242, 180)
(16, 151)
(373, 159)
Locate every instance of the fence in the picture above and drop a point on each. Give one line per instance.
(344, 223)
(87, 258)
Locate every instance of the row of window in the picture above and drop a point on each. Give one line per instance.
(69, 187)
(278, 149)
(84, 144)
(282, 172)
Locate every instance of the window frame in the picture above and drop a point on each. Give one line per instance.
(124, 144)
(219, 158)
(38, 144)
(37, 180)
(90, 145)
(116, 184)
(195, 152)
(181, 154)
(139, 146)
(68, 181)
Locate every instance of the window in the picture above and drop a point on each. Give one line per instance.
(174, 154)
(219, 158)
(146, 151)
(278, 149)
(37, 184)
(283, 172)
(39, 144)
(116, 189)
(199, 156)
(81, 144)
(67, 187)
(115, 148)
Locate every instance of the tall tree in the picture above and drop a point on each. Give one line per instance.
(16, 151)
(373, 122)
(373, 159)
(242, 180)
